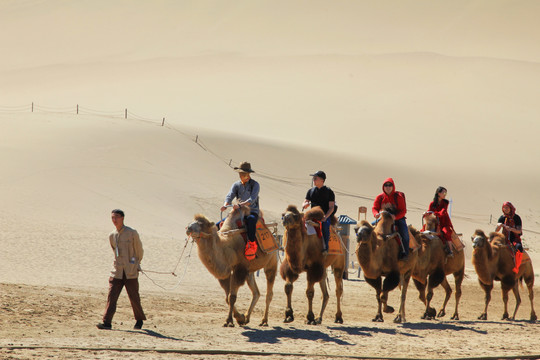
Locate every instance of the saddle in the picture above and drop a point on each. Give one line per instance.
(266, 241)
(335, 244)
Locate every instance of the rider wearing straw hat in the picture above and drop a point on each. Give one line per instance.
(246, 190)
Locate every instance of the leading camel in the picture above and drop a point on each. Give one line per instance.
(433, 262)
(377, 252)
(223, 256)
(303, 252)
(493, 260)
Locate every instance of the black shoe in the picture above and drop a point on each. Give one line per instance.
(403, 256)
(138, 325)
(104, 326)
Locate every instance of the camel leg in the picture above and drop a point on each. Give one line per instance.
(422, 295)
(448, 293)
(529, 280)
(518, 300)
(255, 295)
(487, 290)
(226, 285)
(239, 276)
(430, 312)
(458, 278)
(270, 278)
(325, 297)
(377, 285)
(289, 314)
(310, 294)
(400, 318)
(338, 277)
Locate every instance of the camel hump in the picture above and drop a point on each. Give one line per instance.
(315, 214)
(293, 209)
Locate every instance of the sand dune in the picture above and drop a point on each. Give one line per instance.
(429, 93)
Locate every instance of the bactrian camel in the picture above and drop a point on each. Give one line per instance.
(432, 267)
(303, 252)
(377, 252)
(223, 256)
(492, 259)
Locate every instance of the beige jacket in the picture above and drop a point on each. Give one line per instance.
(128, 253)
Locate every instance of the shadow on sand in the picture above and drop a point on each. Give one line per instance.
(273, 336)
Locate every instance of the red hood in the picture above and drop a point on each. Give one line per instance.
(390, 180)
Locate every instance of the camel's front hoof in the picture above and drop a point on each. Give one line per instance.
(431, 312)
(506, 317)
(388, 309)
(228, 324)
(483, 317)
(455, 317)
(264, 323)
(398, 319)
(533, 318)
(442, 313)
(289, 319)
(378, 318)
(426, 316)
(339, 320)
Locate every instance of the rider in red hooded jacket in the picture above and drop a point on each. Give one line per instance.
(394, 202)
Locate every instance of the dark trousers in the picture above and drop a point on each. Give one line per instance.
(115, 288)
(251, 226)
(326, 232)
(403, 230)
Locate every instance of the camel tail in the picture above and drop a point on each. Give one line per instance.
(391, 281)
(436, 278)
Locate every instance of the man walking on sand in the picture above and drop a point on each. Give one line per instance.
(128, 253)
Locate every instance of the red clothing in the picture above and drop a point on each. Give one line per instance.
(394, 203)
(441, 211)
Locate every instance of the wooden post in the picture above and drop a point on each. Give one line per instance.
(125, 114)
(77, 109)
(197, 138)
(32, 106)
(163, 122)
(362, 210)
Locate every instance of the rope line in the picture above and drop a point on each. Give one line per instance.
(296, 182)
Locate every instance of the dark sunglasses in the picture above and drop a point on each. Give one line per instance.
(388, 184)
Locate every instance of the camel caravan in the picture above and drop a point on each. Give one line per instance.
(389, 252)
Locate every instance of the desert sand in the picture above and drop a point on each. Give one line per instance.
(427, 93)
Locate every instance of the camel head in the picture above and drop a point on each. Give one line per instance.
(479, 239)
(291, 217)
(363, 232)
(201, 225)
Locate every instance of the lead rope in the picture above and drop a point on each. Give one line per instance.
(174, 271)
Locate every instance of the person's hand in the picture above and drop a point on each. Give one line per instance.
(377, 215)
(236, 206)
(223, 208)
(306, 204)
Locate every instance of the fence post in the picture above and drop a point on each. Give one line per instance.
(77, 109)
(163, 122)
(32, 106)
(125, 114)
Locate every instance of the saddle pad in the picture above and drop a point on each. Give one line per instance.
(265, 239)
(335, 245)
(456, 242)
(311, 229)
